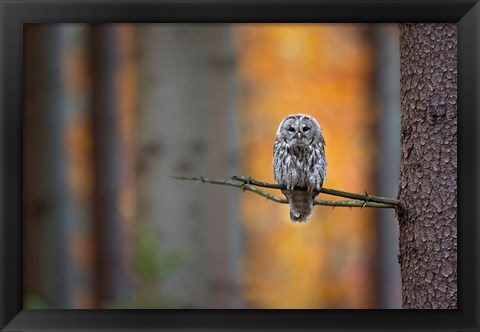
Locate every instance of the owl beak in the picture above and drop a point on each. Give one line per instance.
(299, 135)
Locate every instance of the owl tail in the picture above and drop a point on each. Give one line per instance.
(301, 205)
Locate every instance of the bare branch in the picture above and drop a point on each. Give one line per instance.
(326, 191)
(248, 184)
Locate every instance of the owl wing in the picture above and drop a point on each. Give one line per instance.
(319, 167)
(279, 167)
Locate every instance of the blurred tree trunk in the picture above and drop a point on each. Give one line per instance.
(187, 125)
(428, 180)
(57, 265)
(112, 280)
(387, 88)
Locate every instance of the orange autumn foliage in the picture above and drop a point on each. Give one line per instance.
(325, 71)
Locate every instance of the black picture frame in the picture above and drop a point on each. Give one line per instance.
(15, 13)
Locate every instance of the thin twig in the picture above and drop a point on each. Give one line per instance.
(248, 184)
(332, 192)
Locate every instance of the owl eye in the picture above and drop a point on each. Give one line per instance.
(291, 129)
(305, 129)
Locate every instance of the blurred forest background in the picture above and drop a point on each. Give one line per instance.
(112, 111)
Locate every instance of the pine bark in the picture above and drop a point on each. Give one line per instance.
(428, 168)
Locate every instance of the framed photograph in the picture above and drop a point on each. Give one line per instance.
(259, 165)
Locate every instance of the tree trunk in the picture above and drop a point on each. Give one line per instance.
(428, 180)
(112, 280)
(57, 208)
(186, 125)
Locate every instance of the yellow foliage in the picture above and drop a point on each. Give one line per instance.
(325, 71)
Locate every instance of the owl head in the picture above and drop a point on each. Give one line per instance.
(299, 129)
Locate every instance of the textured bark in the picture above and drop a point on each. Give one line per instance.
(428, 180)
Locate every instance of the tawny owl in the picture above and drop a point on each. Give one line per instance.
(299, 163)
